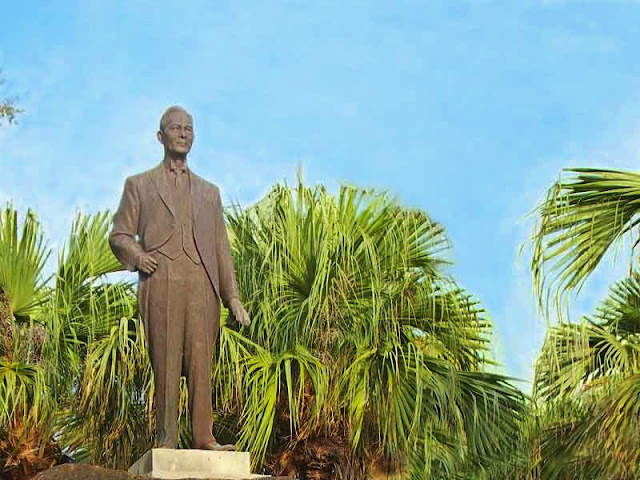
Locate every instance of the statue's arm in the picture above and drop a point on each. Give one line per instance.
(226, 272)
(125, 226)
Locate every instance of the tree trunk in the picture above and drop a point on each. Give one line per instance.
(6, 317)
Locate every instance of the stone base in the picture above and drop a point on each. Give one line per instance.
(179, 464)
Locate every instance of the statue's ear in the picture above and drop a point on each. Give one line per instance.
(160, 137)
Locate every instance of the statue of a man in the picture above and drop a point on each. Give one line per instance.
(170, 228)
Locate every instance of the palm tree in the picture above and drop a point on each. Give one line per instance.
(49, 329)
(583, 216)
(363, 352)
(587, 376)
(97, 342)
(25, 407)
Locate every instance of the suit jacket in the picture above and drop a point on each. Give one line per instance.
(147, 212)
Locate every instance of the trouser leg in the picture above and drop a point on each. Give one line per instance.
(162, 306)
(201, 331)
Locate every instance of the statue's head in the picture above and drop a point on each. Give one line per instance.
(176, 131)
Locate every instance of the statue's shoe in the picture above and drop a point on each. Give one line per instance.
(215, 446)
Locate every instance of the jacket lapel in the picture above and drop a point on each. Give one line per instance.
(197, 194)
(160, 181)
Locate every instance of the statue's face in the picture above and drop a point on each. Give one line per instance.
(177, 136)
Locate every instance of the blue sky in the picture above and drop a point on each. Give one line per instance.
(467, 110)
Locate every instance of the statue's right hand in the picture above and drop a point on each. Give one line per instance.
(147, 264)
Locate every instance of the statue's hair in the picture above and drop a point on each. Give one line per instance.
(165, 116)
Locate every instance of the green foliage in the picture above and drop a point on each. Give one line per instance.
(97, 343)
(587, 374)
(82, 306)
(23, 255)
(52, 332)
(26, 408)
(363, 354)
(23, 393)
(593, 368)
(359, 339)
(582, 217)
(8, 109)
(110, 425)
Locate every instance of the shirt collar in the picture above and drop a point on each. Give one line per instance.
(172, 167)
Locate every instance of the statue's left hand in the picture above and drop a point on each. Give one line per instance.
(239, 313)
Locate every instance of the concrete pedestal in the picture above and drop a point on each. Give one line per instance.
(178, 464)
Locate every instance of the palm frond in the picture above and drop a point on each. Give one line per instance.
(23, 255)
(83, 306)
(23, 392)
(111, 418)
(582, 217)
(360, 284)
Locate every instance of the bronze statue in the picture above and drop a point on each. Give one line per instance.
(170, 228)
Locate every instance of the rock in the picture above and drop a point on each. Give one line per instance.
(89, 472)
(84, 472)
